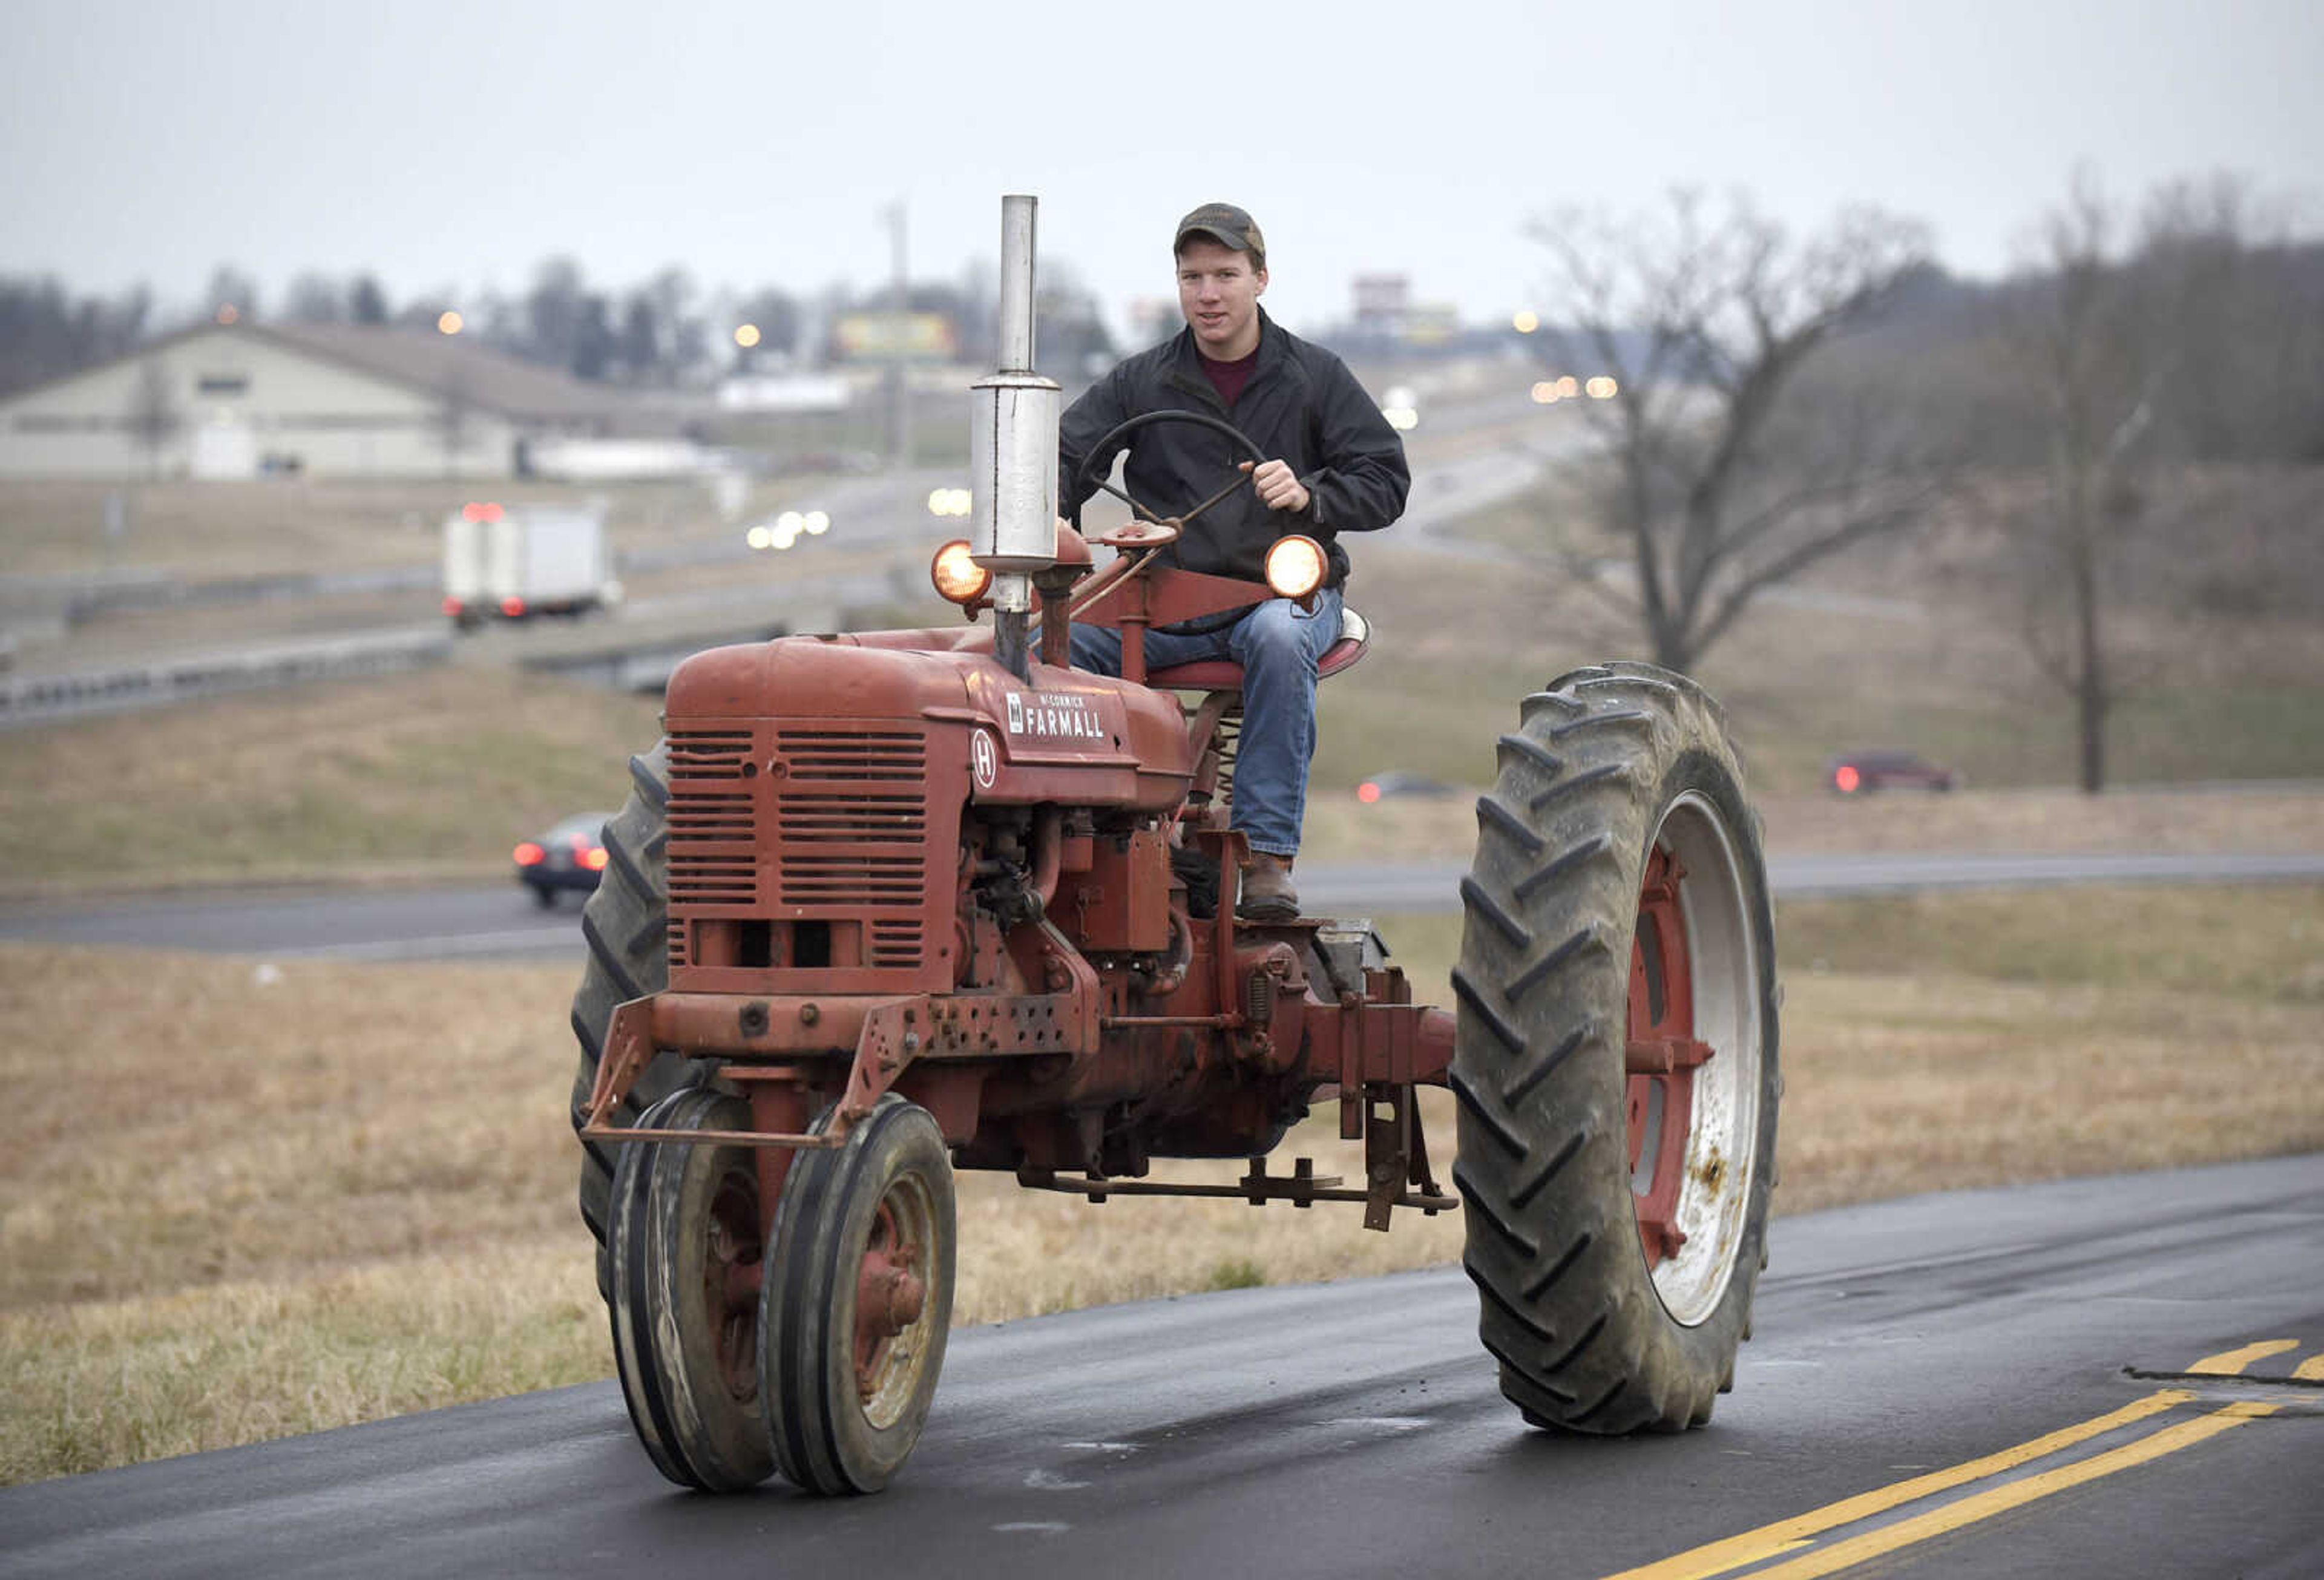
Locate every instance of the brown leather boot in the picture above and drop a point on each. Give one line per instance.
(1268, 895)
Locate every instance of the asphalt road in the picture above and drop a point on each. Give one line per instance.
(2094, 1378)
(500, 922)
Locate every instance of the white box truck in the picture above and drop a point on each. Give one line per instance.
(512, 562)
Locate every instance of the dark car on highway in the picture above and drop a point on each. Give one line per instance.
(570, 856)
(1860, 773)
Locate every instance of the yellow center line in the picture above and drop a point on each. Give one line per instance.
(1786, 1535)
(2311, 1369)
(1999, 1500)
(2231, 1363)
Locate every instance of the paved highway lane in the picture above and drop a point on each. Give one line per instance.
(500, 922)
(1990, 1382)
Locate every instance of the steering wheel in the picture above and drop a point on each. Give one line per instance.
(1135, 536)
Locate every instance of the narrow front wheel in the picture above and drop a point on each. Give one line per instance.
(859, 1301)
(684, 1257)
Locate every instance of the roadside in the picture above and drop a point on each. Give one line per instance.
(268, 1197)
(2162, 819)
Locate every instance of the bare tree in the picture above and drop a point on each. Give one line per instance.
(775, 313)
(2104, 329)
(47, 331)
(234, 294)
(153, 418)
(315, 299)
(1704, 322)
(552, 313)
(2099, 374)
(366, 302)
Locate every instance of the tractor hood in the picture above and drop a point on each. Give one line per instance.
(1062, 736)
(814, 677)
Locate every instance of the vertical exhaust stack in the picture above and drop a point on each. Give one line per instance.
(1013, 449)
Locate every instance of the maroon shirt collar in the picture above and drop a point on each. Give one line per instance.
(1228, 378)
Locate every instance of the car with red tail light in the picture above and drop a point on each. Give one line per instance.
(1860, 773)
(570, 856)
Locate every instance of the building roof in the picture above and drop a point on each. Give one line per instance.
(425, 360)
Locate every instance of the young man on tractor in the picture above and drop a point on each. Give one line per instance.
(1328, 463)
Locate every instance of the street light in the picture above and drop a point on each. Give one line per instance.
(746, 335)
(450, 322)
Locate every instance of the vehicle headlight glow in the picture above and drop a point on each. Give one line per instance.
(958, 578)
(1295, 567)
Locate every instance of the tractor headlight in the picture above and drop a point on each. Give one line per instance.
(957, 577)
(1295, 566)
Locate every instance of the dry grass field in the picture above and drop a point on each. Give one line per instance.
(240, 1200)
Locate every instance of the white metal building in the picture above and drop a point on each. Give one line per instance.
(319, 399)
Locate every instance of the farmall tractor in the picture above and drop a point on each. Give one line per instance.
(885, 907)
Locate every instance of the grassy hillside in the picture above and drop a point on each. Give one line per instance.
(206, 531)
(443, 772)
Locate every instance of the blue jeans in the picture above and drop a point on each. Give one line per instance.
(1278, 645)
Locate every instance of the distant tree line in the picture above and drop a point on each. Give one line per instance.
(663, 332)
(47, 331)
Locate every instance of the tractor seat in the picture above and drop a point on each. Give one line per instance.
(1212, 675)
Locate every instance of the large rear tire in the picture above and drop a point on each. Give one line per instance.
(858, 1301)
(686, 1258)
(625, 926)
(1616, 1062)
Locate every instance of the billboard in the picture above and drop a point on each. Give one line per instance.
(896, 337)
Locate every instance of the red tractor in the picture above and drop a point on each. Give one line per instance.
(886, 905)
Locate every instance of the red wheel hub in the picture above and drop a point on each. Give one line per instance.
(1662, 1055)
(890, 1296)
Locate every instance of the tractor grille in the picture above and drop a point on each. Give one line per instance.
(708, 754)
(831, 829)
(892, 757)
(712, 825)
(854, 822)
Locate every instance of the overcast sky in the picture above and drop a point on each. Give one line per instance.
(456, 146)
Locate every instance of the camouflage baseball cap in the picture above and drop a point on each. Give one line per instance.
(1228, 226)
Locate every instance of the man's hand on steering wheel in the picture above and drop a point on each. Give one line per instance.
(1274, 481)
(1278, 487)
